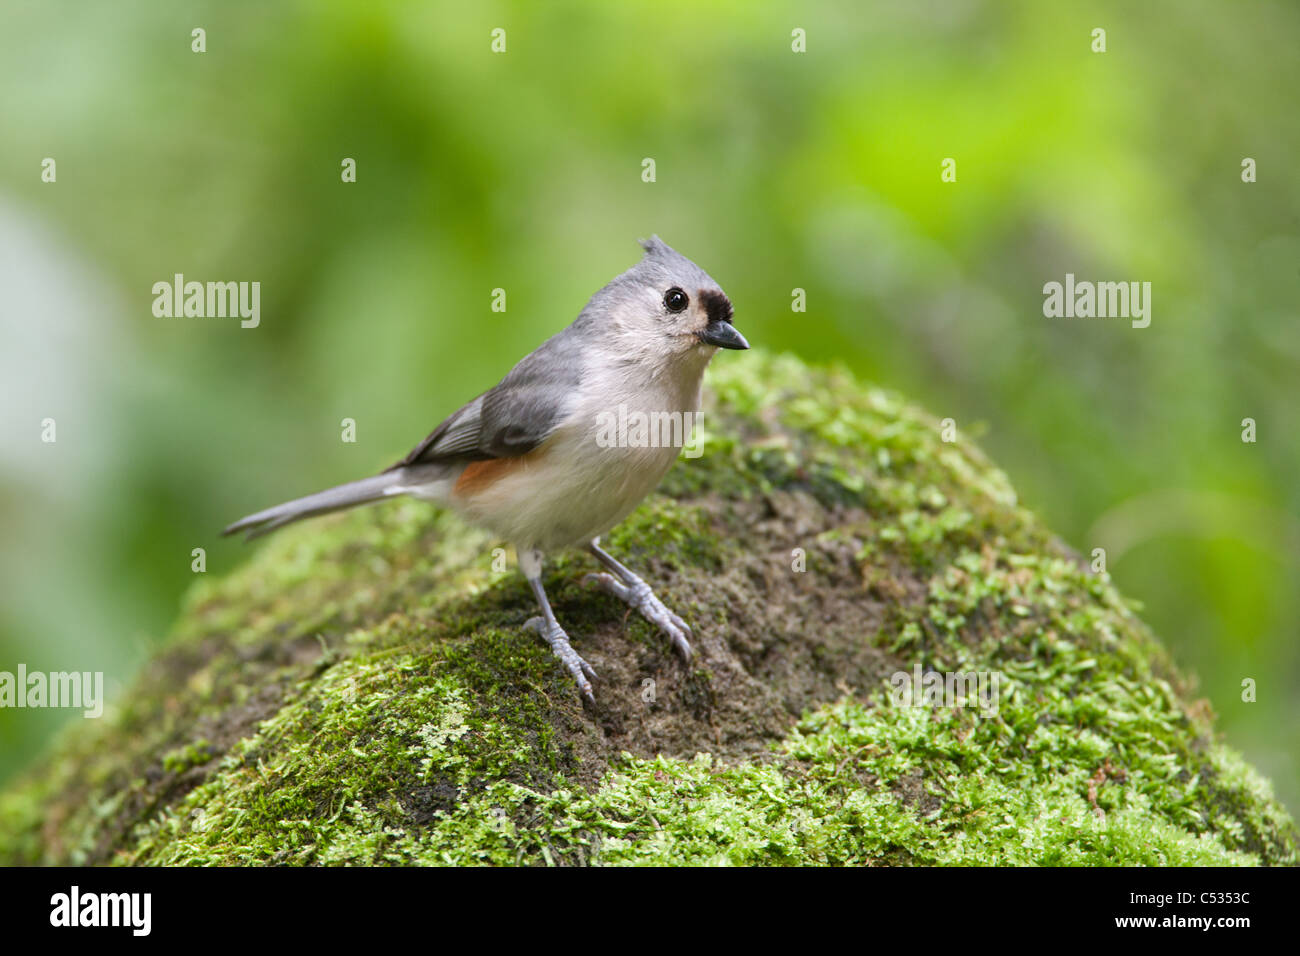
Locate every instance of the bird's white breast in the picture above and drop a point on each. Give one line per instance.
(579, 484)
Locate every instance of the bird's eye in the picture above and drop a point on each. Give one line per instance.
(675, 300)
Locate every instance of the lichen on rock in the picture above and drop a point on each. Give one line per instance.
(362, 691)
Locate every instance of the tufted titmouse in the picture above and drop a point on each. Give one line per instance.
(532, 459)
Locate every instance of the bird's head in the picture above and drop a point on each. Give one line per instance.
(668, 305)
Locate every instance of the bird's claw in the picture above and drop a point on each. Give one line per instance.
(639, 596)
(554, 635)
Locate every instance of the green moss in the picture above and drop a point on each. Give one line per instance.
(361, 691)
(828, 800)
(191, 755)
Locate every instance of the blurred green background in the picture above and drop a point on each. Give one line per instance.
(522, 170)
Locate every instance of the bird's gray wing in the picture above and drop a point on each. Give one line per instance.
(510, 419)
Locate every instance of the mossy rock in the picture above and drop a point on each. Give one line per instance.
(362, 691)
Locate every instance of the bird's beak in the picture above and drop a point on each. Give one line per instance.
(723, 334)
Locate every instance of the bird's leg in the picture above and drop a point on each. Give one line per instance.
(629, 588)
(548, 627)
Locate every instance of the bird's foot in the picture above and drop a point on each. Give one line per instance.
(636, 593)
(554, 635)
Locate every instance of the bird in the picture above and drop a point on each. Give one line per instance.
(534, 461)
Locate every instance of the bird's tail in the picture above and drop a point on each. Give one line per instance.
(323, 502)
